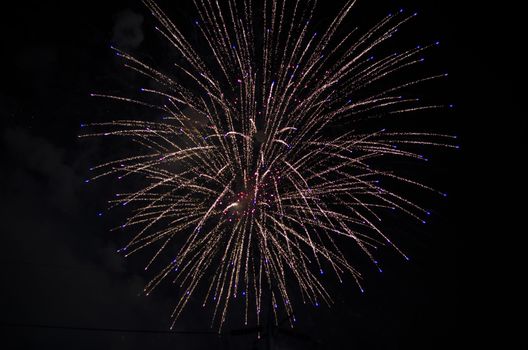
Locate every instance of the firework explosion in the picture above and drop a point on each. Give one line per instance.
(245, 169)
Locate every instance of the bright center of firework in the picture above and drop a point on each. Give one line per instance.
(253, 196)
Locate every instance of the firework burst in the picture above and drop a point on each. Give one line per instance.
(259, 165)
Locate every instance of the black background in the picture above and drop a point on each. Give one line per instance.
(59, 266)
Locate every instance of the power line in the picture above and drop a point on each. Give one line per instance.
(110, 330)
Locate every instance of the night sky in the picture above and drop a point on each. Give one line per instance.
(64, 285)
